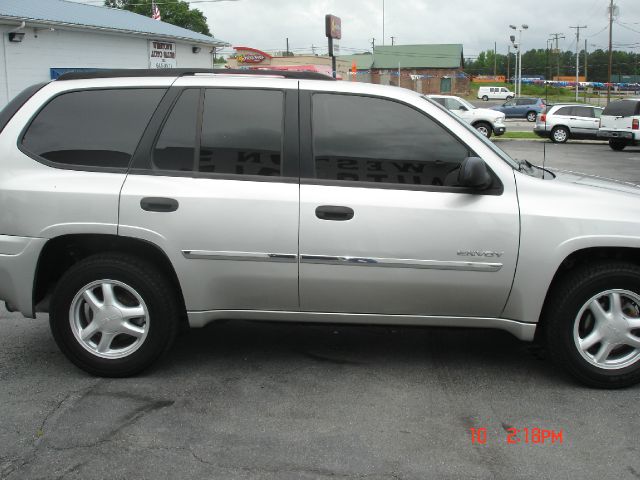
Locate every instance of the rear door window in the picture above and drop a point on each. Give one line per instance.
(92, 128)
(582, 112)
(566, 111)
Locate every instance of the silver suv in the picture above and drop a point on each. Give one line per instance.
(564, 121)
(135, 203)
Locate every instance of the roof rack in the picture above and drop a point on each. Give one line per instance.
(181, 72)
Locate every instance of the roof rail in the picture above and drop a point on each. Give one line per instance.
(181, 72)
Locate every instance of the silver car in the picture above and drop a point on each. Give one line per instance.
(136, 203)
(561, 122)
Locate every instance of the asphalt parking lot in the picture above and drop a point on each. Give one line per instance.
(244, 400)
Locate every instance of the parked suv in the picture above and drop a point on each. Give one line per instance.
(564, 121)
(620, 123)
(138, 202)
(521, 108)
(486, 121)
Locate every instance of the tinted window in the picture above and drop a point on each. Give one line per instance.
(242, 132)
(439, 100)
(564, 111)
(622, 108)
(94, 128)
(175, 149)
(365, 139)
(582, 111)
(524, 101)
(597, 112)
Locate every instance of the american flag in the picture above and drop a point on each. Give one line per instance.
(155, 11)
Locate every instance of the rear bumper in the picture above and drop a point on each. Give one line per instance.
(18, 262)
(541, 131)
(622, 135)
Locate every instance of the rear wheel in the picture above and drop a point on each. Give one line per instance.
(559, 134)
(592, 324)
(617, 145)
(484, 128)
(485, 98)
(113, 315)
(531, 116)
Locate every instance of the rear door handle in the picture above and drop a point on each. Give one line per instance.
(159, 204)
(335, 213)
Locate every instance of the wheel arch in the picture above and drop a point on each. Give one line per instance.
(61, 252)
(580, 257)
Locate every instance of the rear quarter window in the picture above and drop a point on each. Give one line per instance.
(622, 108)
(92, 128)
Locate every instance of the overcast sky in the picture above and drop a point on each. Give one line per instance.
(477, 24)
(264, 24)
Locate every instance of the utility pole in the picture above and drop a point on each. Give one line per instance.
(586, 58)
(508, 63)
(495, 59)
(610, 50)
(393, 41)
(373, 44)
(382, 22)
(556, 36)
(578, 56)
(313, 49)
(287, 46)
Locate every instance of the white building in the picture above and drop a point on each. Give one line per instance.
(41, 39)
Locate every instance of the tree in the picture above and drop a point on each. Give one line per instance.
(175, 12)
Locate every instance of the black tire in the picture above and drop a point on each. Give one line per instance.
(148, 282)
(485, 98)
(559, 134)
(509, 97)
(562, 308)
(617, 145)
(484, 128)
(531, 116)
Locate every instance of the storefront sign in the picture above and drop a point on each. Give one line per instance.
(246, 55)
(162, 54)
(333, 27)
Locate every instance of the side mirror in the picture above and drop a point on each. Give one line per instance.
(474, 174)
(463, 108)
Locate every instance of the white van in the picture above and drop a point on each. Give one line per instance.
(500, 93)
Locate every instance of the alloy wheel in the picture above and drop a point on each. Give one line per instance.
(109, 319)
(606, 330)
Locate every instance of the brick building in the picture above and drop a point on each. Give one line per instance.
(437, 68)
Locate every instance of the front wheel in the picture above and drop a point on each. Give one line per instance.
(617, 145)
(559, 135)
(484, 128)
(531, 116)
(113, 315)
(592, 324)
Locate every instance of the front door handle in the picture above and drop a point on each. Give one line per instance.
(332, 212)
(159, 204)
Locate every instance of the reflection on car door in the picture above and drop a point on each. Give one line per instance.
(215, 193)
(383, 228)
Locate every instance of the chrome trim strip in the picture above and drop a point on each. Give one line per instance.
(522, 330)
(401, 263)
(240, 256)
